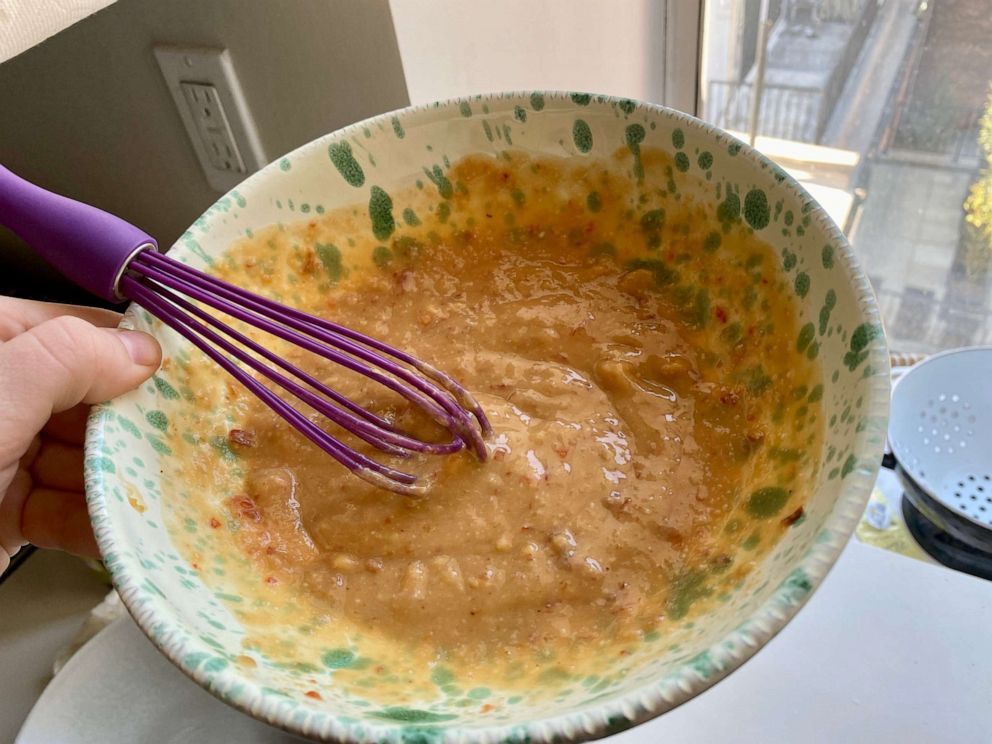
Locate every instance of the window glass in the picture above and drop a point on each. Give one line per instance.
(882, 109)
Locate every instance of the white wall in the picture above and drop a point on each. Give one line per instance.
(88, 114)
(457, 47)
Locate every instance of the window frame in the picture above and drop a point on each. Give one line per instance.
(683, 36)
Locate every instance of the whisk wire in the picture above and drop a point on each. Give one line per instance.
(195, 333)
(171, 290)
(463, 396)
(373, 430)
(438, 402)
(248, 310)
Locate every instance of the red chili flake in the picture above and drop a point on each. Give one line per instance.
(241, 437)
(590, 226)
(270, 550)
(313, 694)
(794, 517)
(245, 507)
(489, 215)
(214, 522)
(271, 580)
(764, 281)
(721, 314)
(729, 398)
(562, 451)
(379, 669)
(195, 566)
(750, 330)
(505, 175)
(487, 708)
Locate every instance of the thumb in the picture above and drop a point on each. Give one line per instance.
(60, 363)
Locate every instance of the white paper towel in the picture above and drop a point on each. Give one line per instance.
(24, 23)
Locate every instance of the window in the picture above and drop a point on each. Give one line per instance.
(883, 111)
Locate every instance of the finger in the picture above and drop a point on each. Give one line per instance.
(60, 363)
(11, 506)
(58, 466)
(32, 452)
(69, 426)
(58, 519)
(18, 316)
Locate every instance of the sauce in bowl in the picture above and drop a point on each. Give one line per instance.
(654, 434)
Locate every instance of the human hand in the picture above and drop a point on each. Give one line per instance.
(56, 360)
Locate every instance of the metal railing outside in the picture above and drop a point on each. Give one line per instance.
(786, 111)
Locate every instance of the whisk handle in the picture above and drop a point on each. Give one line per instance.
(86, 244)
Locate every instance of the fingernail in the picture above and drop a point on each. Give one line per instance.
(142, 348)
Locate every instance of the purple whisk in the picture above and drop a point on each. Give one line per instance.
(117, 261)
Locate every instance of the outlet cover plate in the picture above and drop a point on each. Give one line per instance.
(186, 68)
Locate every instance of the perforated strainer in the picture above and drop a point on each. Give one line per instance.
(940, 432)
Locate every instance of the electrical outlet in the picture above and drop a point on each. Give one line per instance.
(214, 111)
(212, 127)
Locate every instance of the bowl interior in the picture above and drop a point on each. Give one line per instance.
(126, 449)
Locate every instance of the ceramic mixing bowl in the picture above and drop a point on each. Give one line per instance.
(126, 450)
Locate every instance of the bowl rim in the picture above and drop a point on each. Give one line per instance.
(590, 721)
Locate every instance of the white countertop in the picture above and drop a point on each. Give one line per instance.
(889, 649)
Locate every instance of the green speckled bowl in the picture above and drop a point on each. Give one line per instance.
(840, 327)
